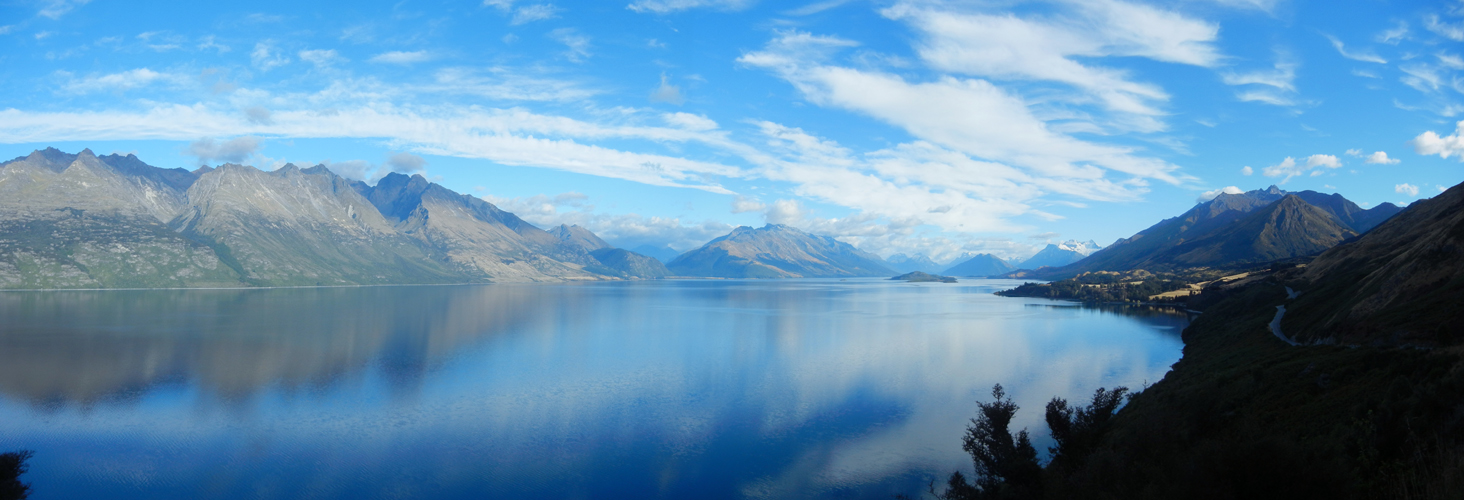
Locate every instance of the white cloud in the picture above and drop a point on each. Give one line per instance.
(1381, 158)
(358, 170)
(117, 82)
(688, 121)
(1354, 152)
(402, 57)
(667, 93)
(259, 115)
(967, 115)
(1364, 56)
(54, 9)
(1453, 32)
(625, 230)
(509, 137)
(743, 205)
(1328, 161)
(578, 45)
(1263, 5)
(406, 163)
(531, 13)
(1289, 168)
(321, 58)
(1063, 48)
(1441, 188)
(507, 84)
(1429, 143)
(1246, 170)
(1406, 188)
(235, 150)
(265, 57)
(1393, 35)
(1210, 195)
(668, 6)
(1281, 76)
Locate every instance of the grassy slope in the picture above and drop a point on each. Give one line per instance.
(1244, 415)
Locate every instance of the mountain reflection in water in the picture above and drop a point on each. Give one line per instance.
(671, 389)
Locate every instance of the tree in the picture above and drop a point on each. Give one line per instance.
(12, 465)
(1076, 430)
(1006, 465)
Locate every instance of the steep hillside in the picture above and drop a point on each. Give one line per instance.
(76, 221)
(777, 251)
(1174, 244)
(303, 227)
(473, 235)
(1401, 283)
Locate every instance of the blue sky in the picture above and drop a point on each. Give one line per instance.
(900, 126)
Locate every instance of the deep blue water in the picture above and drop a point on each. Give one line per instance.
(660, 389)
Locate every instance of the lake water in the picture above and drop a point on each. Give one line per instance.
(654, 389)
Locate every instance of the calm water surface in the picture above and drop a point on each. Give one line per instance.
(662, 389)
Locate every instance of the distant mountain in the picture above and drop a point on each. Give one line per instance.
(83, 221)
(1400, 284)
(1060, 254)
(579, 237)
(1205, 236)
(777, 251)
(608, 259)
(906, 264)
(663, 253)
(980, 265)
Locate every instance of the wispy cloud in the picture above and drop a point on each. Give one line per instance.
(116, 82)
(668, 6)
(1356, 55)
(1289, 167)
(266, 57)
(402, 57)
(578, 45)
(54, 9)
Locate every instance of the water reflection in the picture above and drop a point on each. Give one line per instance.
(713, 389)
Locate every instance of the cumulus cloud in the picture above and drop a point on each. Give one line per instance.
(667, 93)
(1430, 143)
(668, 6)
(1380, 158)
(265, 57)
(235, 150)
(741, 205)
(1289, 167)
(406, 163)
(1406, 188)
(1363, 55)
(1246, 170)
(402, 57)
(1210, 195)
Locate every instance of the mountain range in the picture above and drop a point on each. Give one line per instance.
(1234, 230)
(902, 263)
(980, 265)
(1060, 254)
(778, 251)
(84, 221)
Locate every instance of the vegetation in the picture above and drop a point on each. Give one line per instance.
(12, 465)
(1108, 286)
(1243, 415)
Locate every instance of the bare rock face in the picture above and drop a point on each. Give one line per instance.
(303, 227)
(79, 221)
(778, 251)
(83, 221)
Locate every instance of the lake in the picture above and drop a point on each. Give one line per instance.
(646, 389)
